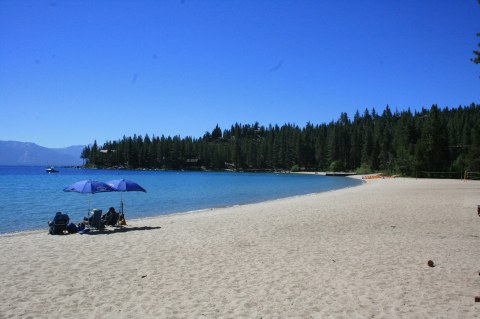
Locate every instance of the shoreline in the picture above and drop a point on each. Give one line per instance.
(356, 252)
(45, 228)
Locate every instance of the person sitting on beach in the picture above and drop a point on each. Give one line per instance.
(111, 217)
(58, 223)
(59, 218)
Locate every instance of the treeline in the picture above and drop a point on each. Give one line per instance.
(434, 140)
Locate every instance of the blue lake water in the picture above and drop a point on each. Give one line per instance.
(29, 197)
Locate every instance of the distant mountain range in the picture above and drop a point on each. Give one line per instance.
(24, 153)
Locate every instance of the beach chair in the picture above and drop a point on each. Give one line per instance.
(96, 220)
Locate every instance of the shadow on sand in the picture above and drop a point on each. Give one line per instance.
(114, 230)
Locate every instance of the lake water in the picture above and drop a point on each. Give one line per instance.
(29, 196)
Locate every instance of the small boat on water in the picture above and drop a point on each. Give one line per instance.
(51, 169)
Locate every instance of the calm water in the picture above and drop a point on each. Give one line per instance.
(29, 196)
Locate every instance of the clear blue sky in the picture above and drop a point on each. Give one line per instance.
(75, 71)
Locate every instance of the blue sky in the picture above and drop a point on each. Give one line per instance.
(76, 71)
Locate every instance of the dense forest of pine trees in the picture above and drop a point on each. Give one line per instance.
(434, 140)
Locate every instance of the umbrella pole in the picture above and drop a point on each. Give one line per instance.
(121, 209)
(88, 211)
(121, 202)
(122, 214)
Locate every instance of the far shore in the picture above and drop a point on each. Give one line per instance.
(359, 252)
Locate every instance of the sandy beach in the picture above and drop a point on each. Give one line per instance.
(360, 252)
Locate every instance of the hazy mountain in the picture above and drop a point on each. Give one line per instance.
(24, 153)
(75, 150)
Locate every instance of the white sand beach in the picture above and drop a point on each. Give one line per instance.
(360, 252)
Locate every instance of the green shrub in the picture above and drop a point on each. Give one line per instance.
(364, 169)
(295, 168)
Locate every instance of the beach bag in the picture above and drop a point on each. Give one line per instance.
(72, 228)
(121, 220)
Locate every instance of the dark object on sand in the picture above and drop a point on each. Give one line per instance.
(72, 228)
(430, 263)
(58, 224)
(477, 298)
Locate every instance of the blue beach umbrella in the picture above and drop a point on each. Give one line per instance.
(125, 185)
(89, 187)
